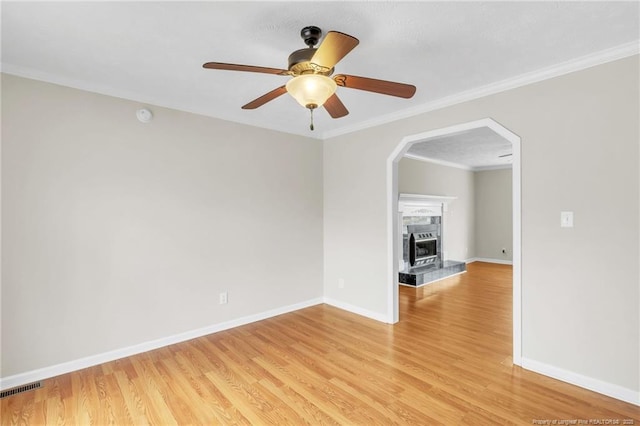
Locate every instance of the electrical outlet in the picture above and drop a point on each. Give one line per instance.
(223, 298)
(340, 282)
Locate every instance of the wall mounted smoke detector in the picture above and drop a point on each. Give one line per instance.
(144, 115)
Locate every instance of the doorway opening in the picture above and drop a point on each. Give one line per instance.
(394, 248)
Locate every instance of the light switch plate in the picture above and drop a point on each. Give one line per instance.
(566, 219)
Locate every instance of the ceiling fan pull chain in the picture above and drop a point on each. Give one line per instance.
(311, 125)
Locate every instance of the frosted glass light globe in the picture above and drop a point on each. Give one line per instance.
(311, 90)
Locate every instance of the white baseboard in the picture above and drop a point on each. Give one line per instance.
(605, 388)
(488, 260)
(357, 310)
(67, 367)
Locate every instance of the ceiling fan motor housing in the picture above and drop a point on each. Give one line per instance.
(300, 63)
(300, 60)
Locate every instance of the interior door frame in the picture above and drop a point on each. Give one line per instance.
(393, 246)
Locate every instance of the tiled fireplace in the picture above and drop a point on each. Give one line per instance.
(423, 259)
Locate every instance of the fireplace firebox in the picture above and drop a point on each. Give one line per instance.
(424, 244)
(422, 247)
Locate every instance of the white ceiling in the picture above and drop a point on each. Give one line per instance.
(476, 149)
(153, 52)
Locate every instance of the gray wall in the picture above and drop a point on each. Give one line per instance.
(493, 214)
(116, 232)
(479, 222)
(580, 137)
(420, 177)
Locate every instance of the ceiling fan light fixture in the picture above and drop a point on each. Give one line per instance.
(311, 90)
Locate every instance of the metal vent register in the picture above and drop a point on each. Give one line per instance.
(20, 389)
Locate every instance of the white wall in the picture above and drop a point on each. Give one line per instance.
(421, 177)
(580, 136)
(493, 214)
(116, 232)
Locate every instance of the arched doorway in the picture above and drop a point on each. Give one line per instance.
(392, 218)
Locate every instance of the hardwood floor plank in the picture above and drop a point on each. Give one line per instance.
(305, 386)
(115, 398)
(247, 400)
(223, 410)
(448, 361)
(154, 394)
(369, 400)
(305, 409)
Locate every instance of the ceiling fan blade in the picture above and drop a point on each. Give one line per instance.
(335, 107)
(384, 87)
(248, 68)
(334, 47)
(258, 102)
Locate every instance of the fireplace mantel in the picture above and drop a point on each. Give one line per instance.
(412, 201)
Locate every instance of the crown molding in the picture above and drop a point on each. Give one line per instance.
(567, 67)
(26, 72)
(439, 162)
(583, 62)
(457, 165)
(496, 167)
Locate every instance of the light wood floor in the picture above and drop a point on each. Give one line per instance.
(446, 362)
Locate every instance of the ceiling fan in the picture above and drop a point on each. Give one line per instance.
(311, 69)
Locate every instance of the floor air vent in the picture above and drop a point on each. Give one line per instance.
(20, 389)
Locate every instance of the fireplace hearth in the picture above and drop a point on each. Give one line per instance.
(436, 271)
